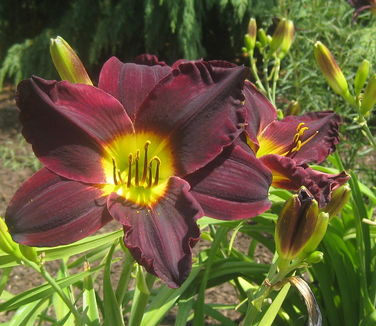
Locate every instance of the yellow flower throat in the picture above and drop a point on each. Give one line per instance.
(137, 167)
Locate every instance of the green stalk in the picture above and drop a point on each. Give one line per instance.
(199, 305)
(140, 297)
(277, 66)
(368, 134)
(279, 269)
(59, 291)
(265, 72)
(255, 74)
(122, 286)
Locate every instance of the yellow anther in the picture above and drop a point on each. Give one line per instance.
(297, 143)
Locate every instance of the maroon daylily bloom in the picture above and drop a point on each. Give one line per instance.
(286, 146)
(153, 147)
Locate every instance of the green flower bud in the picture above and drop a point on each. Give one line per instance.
(318, 233)
(252, 32)
(340, 197)
(369, 97)
(315, 257)
(296, 224)
(249, 45)
(67, 63)
(330, 69)
(6, 242)
(262, 37)
(293, 108)
(282, 38)
(361, 76)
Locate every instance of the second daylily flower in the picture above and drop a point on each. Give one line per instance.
(286, 146)
(153, 147)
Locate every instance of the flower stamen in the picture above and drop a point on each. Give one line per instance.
(130, 161)
(297, 142)
(136, 180)
(114, 171)
(156, 178)
(145, 170)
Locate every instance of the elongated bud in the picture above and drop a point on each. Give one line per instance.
(369, 97)
(340, 197)
(250, 37)
(319, 231)
(262, 37)
(67, 63)
(361, 76)
(282, 38)
(296, 224)
(6, 242)
(330, 69)
(293, 108)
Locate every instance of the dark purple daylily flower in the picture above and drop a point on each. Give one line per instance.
(153, 147)
(286, 146)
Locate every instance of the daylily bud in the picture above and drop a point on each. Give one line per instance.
(296, 224)
(330, 69)
(282, 38)
(369, 97)
(251, 35)
(361, 76)
(262, 37)
(315, 257)
(67, 63)
(293, 108)
(6, 242)
(318, 233)
(340, 197)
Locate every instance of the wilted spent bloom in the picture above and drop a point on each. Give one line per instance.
(67, 63)
(361, 76)
(340, 197)
(330, 69)
(300, 226)
(283, 37)
(369, 97)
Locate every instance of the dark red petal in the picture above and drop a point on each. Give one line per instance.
(322, 126)
(68, 124)
(198, 107)
(160, 237)
(289, 175)
(130, 83)
(233, 186)
(260, 112)
(50, 211)
(149, 60)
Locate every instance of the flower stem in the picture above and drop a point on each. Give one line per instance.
(140, 297)
(277, 66)
(255, 73)
(122, 286)
(40, 269)
(279, 269)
